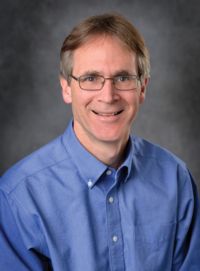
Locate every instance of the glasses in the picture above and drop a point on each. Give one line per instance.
(96, 82)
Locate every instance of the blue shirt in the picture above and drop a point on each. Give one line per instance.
(61, 209)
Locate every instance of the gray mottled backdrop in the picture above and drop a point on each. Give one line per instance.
(31, 109)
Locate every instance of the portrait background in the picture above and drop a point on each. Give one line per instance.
(31, 108)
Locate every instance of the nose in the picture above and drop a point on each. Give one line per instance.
(108, 93)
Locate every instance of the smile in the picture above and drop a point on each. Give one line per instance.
(107, 114)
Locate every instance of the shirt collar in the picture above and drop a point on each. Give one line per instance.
(89, 167)
(128, 161)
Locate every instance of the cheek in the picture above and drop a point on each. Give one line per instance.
(133, 100)
(79, 104)
(82, 100)
(134, 105)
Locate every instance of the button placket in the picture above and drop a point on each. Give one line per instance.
(114, 238)
(114, 231)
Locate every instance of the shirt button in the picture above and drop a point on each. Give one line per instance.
(115, 238)
(108, 172)
(90, 183)
(111, 200)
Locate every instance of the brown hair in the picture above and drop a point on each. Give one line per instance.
(107, 24)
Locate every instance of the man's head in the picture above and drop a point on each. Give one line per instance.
(105, 25)
(104, 73)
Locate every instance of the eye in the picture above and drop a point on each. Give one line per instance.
(122, 78)
(88, 78)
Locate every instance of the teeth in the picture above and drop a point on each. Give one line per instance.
(108, 114)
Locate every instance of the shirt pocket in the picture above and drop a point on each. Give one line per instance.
(154, 245)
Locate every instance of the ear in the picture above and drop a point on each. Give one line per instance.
(66, 90)
(144, 84)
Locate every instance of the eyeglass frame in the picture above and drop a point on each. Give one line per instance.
(78, 79)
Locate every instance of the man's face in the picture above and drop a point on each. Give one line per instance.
(103, 116)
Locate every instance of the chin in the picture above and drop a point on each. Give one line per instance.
(109, 138)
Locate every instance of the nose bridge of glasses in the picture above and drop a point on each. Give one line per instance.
(111, 79)
(108, 92)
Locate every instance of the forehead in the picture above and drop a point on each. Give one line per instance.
(104, 54)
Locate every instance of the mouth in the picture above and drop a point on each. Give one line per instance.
(107, 114)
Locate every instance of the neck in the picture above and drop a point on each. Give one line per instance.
(109, 153)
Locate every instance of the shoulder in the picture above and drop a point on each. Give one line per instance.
(159, 163)
(158, 166)
(151, 151)
(42, 159)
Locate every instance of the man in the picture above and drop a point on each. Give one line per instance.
(95, 198)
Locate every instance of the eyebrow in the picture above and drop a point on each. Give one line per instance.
(91, 72)
(122, 72)
(116, 73)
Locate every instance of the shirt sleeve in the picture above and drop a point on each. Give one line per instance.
(187, 247)
(14, 255)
